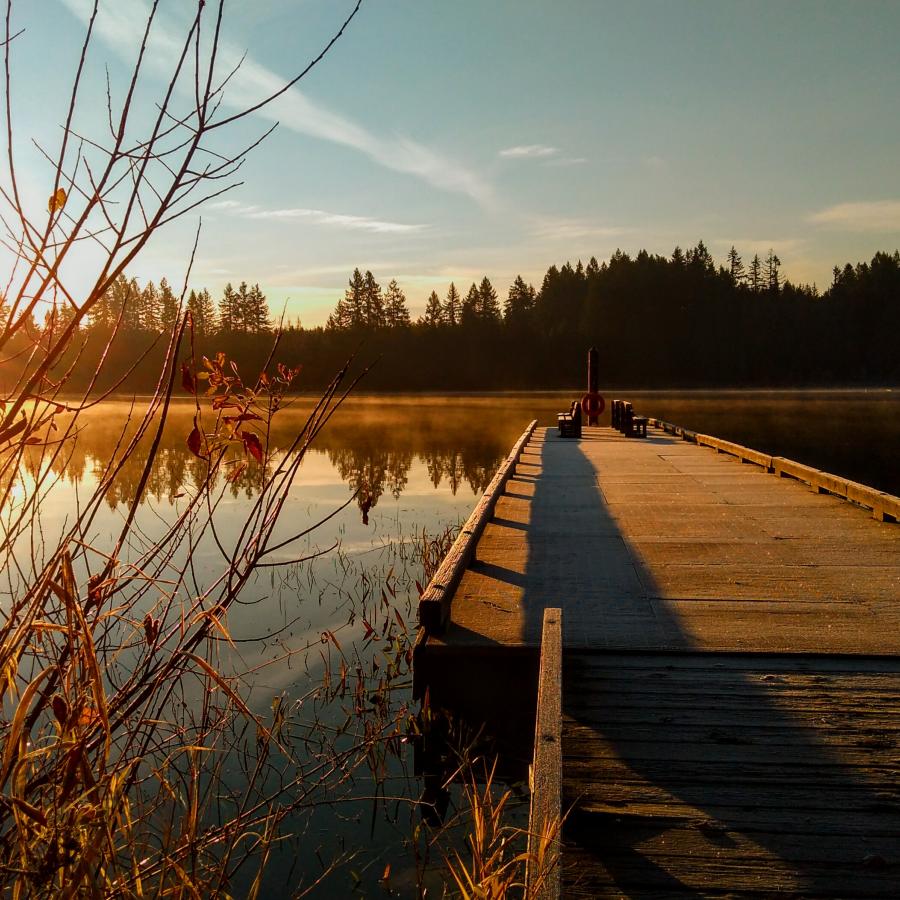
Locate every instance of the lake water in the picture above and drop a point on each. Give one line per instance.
(416, 463)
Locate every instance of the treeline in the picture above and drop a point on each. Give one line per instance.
(659, 322)
(676, 321)
(154, 309)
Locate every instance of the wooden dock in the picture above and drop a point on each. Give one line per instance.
(730, 662)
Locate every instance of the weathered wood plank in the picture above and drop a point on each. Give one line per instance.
(544, 823)
(725, 774)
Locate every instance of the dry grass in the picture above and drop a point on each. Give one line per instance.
(494, 863)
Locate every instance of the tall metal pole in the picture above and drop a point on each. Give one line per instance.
(593, 379)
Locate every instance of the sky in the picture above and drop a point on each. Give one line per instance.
(443, 141)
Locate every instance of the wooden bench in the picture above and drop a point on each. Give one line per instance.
(638, 426)
(624, 419)
(570, 422)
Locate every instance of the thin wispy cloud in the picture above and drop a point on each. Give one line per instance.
(564, 161)
(874, 216)
(337, 220)
(316, 217)
(224, 204)
(120, 24)
(529, 151)
(569, 229)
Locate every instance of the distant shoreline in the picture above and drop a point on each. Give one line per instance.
(843, 392)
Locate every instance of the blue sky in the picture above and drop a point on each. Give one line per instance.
(441, 141)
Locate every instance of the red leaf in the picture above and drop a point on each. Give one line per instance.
(60, 709)
(252, 445)
(187, 379)
(195, 441)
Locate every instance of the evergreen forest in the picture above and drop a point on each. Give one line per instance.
(659, 322)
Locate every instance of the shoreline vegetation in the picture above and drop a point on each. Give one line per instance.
(715, 327)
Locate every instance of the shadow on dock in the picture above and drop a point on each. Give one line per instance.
(693, 772)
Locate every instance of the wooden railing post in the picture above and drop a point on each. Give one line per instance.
(543, 874)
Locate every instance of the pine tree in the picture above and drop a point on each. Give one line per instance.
(452, 309)
(228, 310)
(736, 267)
(135, 315)
(396, 313)
(355, 297)
(104, 313)
(167, 304)
(348, 311)
(772, 278)
(373, 303)
(490, 307)
(118, 307)
(755, 275)
(129, 295)
(341, 318)
(434, 313)
(257, 318)
(678, 257)
(203, 313)
(471, 306)
(699, 258)
(150, 308)
(243, 309)
(56, 318)
(519, 302)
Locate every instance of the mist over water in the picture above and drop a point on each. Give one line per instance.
(449, 444)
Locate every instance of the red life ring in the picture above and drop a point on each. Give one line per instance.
(592, 405)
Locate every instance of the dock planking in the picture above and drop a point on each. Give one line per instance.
(731, 704)
(664, 545)
(743, 775)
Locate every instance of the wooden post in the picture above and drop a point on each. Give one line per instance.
(593, 379)
(542, 875)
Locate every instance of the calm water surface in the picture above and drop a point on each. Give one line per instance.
(417, 463)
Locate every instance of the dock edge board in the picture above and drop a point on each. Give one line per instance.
(884, 507)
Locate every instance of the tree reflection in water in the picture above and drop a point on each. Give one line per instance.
(373, 450)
